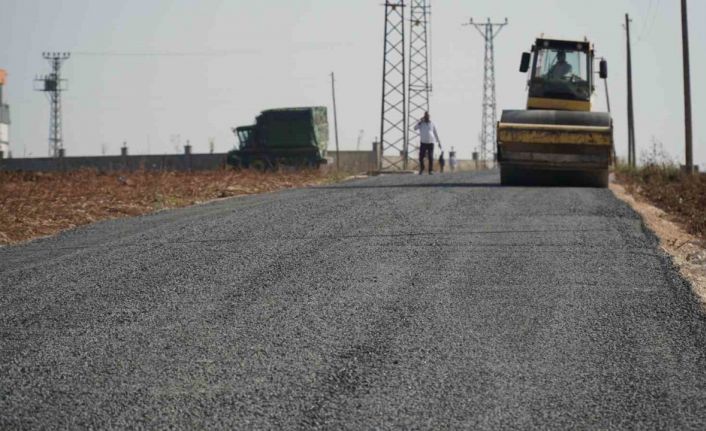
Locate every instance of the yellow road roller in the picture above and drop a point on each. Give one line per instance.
(557, 140)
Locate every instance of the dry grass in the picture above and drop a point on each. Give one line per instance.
(665, 186)
(39, 204)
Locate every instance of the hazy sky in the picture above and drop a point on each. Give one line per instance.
(144, 71)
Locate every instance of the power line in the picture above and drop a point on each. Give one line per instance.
(646, 18)
(650, 19)
(393, 118)
(213, 53)
(489, 31)
(53, 85)
(163, 53)
(419, 72)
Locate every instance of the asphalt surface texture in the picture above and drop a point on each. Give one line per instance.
(394, 302)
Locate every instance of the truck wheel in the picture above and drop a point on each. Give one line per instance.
(279, 163)
(259, 165)
(509, 176)
(598, 179)
(518, 176)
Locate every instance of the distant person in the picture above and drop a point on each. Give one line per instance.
(442, 162)
(452, 159)
(428, 136)
(561, 68)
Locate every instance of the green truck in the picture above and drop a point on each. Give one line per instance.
(283, 137)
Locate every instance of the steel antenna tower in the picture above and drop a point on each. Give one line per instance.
(393, 121)
(489, 31)
(419, 72)
(53, 85)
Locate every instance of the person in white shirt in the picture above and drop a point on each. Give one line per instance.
(428, 136)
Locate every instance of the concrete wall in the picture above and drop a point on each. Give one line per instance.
(462, 165)
(352, 161)
(171, 162)
(396, 161)
(471, 165)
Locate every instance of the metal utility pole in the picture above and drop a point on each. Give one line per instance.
(335, 120)
(489, 31)
(631, 117)
(53, 85)
(393, 118)
(419, 73)
(687, 89)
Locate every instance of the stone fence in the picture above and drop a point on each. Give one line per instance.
(169, 162)
(350, 161)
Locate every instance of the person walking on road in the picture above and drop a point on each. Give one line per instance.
(428, 136)
(452, 159)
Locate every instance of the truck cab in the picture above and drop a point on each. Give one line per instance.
(557, 139)
(296, 137)
(246, 136)
(561, 75)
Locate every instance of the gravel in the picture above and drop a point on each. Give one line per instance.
(390, 302)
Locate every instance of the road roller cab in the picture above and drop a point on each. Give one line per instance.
(557, 140)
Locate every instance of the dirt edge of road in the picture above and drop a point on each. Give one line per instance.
(687, 252)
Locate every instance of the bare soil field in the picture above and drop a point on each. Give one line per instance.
(681, 196)
(34, 205)
(673, 206)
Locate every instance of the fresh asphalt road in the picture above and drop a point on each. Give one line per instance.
(390, 302)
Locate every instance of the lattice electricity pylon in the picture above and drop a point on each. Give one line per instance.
(489, 31)
(393, 122)
(419, 73)
(53, 85)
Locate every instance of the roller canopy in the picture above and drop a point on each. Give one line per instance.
(557, 118)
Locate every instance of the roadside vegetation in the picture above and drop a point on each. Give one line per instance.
(39, 204)
(661, 181)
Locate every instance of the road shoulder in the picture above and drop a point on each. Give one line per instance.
(687, 252)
